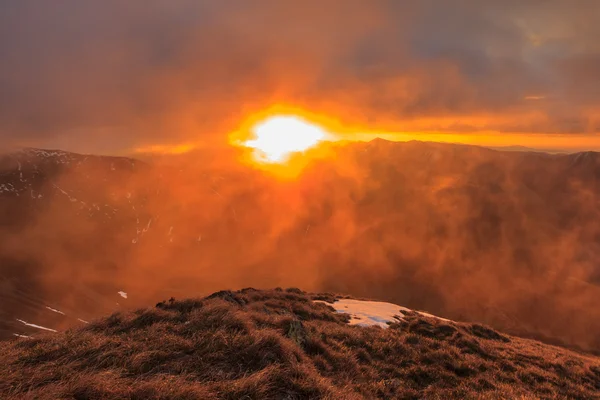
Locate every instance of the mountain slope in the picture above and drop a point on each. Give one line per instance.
(284, 345)
(54, 205)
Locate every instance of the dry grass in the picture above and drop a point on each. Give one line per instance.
(279, 344)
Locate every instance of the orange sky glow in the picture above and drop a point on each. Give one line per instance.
(278, 131)
(105, 78)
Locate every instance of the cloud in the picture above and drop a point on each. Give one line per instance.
(117, 75)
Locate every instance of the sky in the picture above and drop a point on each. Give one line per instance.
(116, 76)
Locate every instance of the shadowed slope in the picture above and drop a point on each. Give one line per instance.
(283, 345)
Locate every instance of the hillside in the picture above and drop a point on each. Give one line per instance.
(53, 206)
(281, 344)
(509, 239)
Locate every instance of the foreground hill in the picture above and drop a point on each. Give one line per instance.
(280, 344)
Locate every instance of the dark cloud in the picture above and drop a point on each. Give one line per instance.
(113, 75)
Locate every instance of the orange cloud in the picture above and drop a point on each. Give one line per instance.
(191, 72)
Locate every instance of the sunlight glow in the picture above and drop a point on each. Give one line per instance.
(165, 149)
(276, 138)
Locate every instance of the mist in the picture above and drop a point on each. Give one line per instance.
(467, 233)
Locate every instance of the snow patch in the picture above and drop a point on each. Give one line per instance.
(55, 310)
(122, 294)
(368, 313)
(36, 326)
(21, 336)
(4, 188)
(372, 313)
(82, 320)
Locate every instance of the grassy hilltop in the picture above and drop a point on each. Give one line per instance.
(280, 344)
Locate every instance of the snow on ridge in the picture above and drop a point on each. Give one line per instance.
(82, 320)
(372, 313)
(432, 316)
(46, 153)
(36, 326)
(59, 156)
(6, 187)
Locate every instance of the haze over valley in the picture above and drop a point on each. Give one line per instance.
(503, 238)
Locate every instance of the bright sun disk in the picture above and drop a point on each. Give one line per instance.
(278, 137)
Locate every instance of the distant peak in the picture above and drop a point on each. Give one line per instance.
(380, 140)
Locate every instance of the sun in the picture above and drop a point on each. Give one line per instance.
(276, 138)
